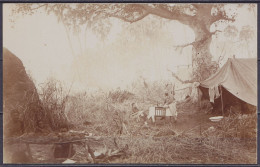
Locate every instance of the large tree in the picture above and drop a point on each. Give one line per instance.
(199, 17)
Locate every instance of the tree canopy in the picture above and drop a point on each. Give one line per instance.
(199, 17)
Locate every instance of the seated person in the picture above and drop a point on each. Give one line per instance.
(134, 108)
(170, 105)
(138, 112)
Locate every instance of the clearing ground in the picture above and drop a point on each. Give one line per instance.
(192, 139)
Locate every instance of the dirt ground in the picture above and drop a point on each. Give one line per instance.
(181, 142)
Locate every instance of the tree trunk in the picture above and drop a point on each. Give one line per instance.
(202, 63)
(201, 57)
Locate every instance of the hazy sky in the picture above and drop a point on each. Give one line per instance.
(41, 43)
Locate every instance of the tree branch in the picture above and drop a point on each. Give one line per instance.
(128, 19)
(40, 6)
(221, 16)
(192, 43)
(195, 42)
(213, 33)
(185, 45)
(165, 13)
(183, 82)
(158, 10)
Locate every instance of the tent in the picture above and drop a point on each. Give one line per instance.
(238, 78)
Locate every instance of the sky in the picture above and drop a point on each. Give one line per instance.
(42, 45)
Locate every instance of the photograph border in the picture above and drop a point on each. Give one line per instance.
(130, 1)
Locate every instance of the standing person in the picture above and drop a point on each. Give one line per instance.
(170, 105)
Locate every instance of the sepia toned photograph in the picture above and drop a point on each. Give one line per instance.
(129, 83)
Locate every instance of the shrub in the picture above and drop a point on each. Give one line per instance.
(241, 126)
(53, 99)
(120, 95)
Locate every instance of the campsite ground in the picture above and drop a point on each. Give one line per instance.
(184, 142)
(192, 139)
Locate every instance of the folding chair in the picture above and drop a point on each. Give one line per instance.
(160, 112)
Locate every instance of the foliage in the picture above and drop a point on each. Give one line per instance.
(75, 109)
(53, 99)
(238, 126)
(96, 113)
(231, 31)
(152, 92)
(246, 34)
(204, 70)
(119, 95)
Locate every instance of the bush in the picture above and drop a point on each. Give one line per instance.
(240, 126)
(53, 99)
(120, 95)
(84, 108)
(150, 92)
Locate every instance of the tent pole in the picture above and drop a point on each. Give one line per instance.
(222, 100)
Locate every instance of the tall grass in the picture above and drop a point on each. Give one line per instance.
(53, 99)
(108, 114)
